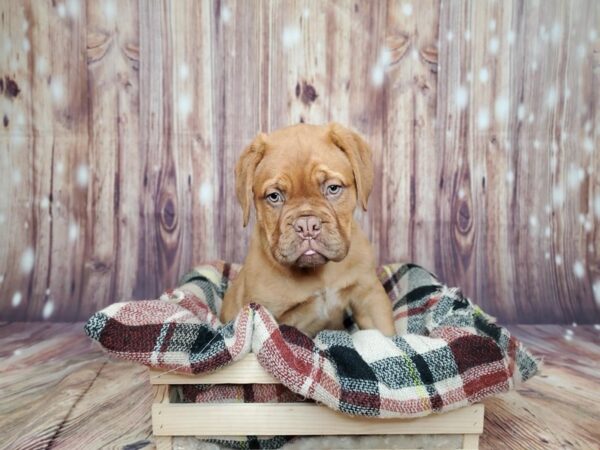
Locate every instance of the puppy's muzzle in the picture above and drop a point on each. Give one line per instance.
(307, 227)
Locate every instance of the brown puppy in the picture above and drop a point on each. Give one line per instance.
(308, 259)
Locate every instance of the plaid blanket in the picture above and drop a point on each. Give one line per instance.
(447, 352)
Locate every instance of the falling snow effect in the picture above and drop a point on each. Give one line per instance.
(494, 45)
(461, 97)
(558, 260)
(184, 72)
(483, 119)
(184, 105)
(597, 206)
(596, 289)
(83, 175)
(48, 309)
(291, 36)
(57, 89)
(225, 14)
(575, 176)
(73, 232)
(578, 269)
(407, 9)
(110, 10)
(510, 37)
(16, 299)
(484, 75)
(510, 177)
(558, 196)
(27, 260)
(501, 108)
(588, 145)
(205, 193)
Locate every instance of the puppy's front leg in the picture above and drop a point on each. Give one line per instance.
(232, 301)
(372, 308)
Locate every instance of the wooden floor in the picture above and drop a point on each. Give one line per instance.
(58, 390)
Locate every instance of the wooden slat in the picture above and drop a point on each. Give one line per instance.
(471, 442)
(300, 419)
(245, 371)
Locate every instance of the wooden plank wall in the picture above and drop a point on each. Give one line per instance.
(122, 121)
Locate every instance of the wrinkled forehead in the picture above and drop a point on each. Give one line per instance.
(299, 157)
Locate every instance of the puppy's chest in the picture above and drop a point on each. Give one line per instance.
(328, 302)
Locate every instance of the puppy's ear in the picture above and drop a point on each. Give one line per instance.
(244, 173)
(359, 154)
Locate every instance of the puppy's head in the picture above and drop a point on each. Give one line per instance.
(305, 181)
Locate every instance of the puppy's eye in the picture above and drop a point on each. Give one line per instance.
(334, 190)
(275, 198)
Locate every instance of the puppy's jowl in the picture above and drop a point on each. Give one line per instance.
(308, 259)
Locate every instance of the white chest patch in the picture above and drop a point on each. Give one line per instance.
(327, 302)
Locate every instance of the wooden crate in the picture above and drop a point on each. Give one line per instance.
(298, 419)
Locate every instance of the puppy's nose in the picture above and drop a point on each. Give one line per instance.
(307, 226)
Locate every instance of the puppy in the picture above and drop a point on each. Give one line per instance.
(308, 259)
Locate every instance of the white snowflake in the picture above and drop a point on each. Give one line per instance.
(450, 36)
(547, 232)
(48, 309)
(407, 9)
(184, 104)
(575, 176)
(461, 97)
(291, 36)
(484, 75)
(597, 206)
(73, 8)
(588, 145)
(596, 289)
(44, 203)
(547, 255)
(558, 196)
(306, 13)
(578, 269)
(533, 221)
(82, 175)
(377, 75)
(551, 98)
(61, 10)
(16, 176)
(57, 89)
(494, 45)
(501, 108)
(16, 299)
(27, 260)
(225, 14)
(555, 33)
(205, 193)
(510, 177)
(483, 119)
(593, 35)
(184, 72)
(60, 168)
(510, 37)
(467, 35)
(73, 231)
(26, 45)
(558, 260)
(492, 25)
(461, 193)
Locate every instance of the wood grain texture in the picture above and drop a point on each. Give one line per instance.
(120, 125)
(58, 390)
